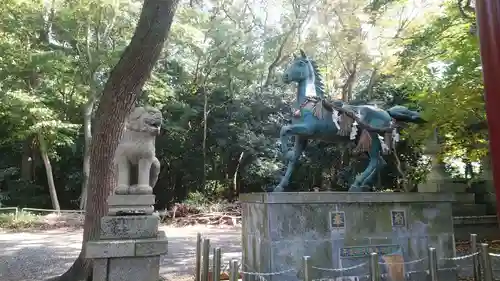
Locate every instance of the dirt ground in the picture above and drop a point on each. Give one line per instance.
(37, 255)
(34, 256)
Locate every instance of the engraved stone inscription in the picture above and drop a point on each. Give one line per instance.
(365, 251)
(398, 218)
(337, 220)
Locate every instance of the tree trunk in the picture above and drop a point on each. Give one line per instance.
(48, 171)
(278, 59)
(349, 82)
(87, 134)
(371, 84)
(236, 188)
(27, 160)
(204, 144)
(119, 96)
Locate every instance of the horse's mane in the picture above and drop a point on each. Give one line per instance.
(318, 80)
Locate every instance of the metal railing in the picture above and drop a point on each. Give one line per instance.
(15, 209)
(480, 255)
(53, 211)
(18, 211)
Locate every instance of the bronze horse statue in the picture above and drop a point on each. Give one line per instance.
(374, 129)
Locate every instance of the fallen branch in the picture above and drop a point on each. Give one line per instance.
(216, 218)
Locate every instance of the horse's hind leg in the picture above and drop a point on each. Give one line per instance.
(363, 180)
(378, 164)
(300, 144)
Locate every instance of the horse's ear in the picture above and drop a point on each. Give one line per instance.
(294, 56)
(302, 53)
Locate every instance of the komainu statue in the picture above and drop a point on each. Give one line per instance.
(138, 167)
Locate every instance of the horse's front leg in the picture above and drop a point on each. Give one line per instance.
(289, 130)
(300, 144)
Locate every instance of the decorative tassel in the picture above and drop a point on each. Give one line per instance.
(336, 119)
(385, 148)
(354, 131)
(364, 143)
(296, 113)
(345, 125)
(318, 111)
(388, 141)
(395, 137)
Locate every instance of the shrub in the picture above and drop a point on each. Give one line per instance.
(205, 204)
(21, 221)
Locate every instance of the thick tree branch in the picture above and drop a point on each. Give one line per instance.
(279, 55)
(466, 9)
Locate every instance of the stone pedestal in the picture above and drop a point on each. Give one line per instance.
(339, 230)
(130, 244)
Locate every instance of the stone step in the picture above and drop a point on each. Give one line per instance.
(475, 220)
(460, 209)
(487, 198)
(465, 198)
(486, 227)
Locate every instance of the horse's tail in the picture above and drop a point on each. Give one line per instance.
(400, 170)
(403, 114)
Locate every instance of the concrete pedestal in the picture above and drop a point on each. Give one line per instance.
(339, 230)
(130, 244)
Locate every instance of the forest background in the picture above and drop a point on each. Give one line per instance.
(218, 85)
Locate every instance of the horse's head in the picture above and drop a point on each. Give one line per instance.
(299, 69)
(403, 114)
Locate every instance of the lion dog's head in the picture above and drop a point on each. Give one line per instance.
(145, 119)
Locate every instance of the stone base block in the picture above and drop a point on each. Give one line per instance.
(465, 198)
(442, 185)
(126, 248)
(489, 199)
(340, 230)
(133, 189)
(485, 186)
(131, 204)
(462, 210)
(127, 269)
(129, 227)
(100, 270)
